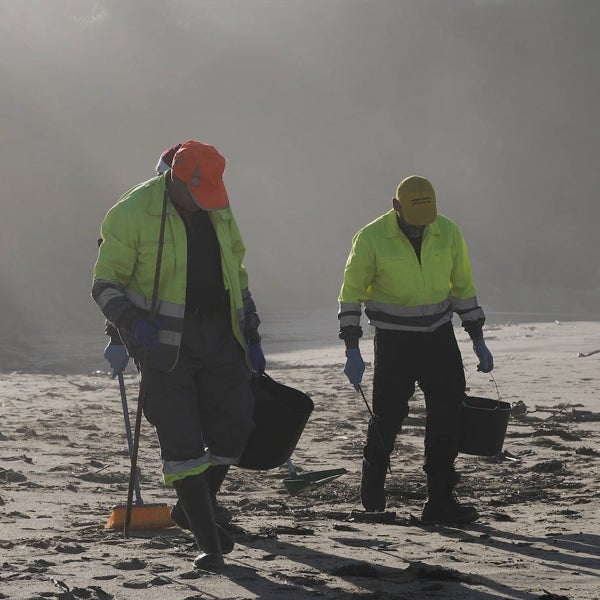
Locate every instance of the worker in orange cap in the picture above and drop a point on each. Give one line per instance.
(169, 276)
(118, 358)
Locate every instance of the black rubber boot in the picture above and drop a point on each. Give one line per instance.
(376, 458)
(442, 507)
(196, 502)
(372, 491)
(215, 476)
(180, 519)
(223, 515)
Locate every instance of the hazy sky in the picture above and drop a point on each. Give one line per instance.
(321, 107)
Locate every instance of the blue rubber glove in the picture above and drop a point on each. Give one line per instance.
(486, 360)
(354, 367)
(146, 332)
(257, 358)
(117, 357)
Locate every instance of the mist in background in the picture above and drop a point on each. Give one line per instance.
(321, 107)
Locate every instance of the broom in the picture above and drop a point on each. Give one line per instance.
(143, 516)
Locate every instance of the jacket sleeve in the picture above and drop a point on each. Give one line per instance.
(239, 251)
(251, 318)
(463, 292)
(117, 256)
(358, 275)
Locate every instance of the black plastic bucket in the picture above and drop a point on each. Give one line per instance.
(280, 415)
(483, 426)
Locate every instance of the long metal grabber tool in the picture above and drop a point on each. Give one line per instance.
(375, 422)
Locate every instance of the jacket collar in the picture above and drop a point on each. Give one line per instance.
(391, 229)
(158, 185)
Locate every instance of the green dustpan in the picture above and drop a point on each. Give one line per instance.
(296, 484)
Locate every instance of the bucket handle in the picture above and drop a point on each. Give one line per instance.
(495, 384)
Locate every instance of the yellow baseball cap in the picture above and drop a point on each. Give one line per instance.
(417, 199)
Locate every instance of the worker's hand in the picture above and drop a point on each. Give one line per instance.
(354, 367)
(257, 358)
(146, 332)
(117, 357)
(486, 360)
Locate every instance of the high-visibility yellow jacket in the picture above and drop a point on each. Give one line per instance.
(400, 292)
(125, 269)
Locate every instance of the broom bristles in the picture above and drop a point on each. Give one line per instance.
(145, 516)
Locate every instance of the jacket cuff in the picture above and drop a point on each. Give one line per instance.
(350, 334)
(252, 322)
(127, 317)
(474, 329)
(113, 333)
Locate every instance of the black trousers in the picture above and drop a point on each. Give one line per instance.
(403, 359)
(202, 409)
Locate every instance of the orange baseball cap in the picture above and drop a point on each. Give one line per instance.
(201, 167)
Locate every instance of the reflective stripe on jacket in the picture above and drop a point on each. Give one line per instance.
(125, 270)
(383, 272)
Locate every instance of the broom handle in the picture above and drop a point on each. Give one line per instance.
(138, 493)
(142, 391)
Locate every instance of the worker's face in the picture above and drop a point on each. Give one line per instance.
(180, 194)
(411, 231)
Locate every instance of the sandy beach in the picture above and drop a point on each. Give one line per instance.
(64, 465)
(320, 108)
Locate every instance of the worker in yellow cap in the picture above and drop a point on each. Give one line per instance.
(410, 269)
